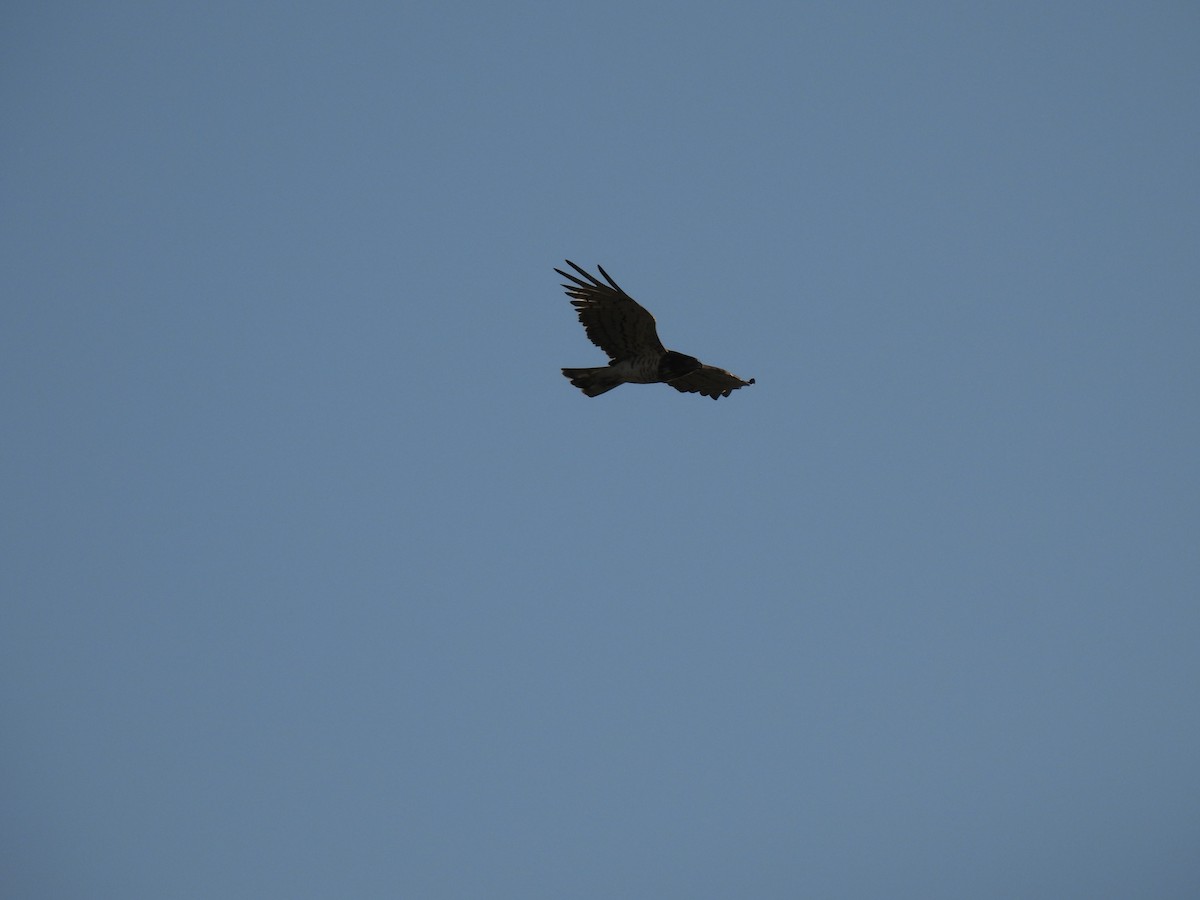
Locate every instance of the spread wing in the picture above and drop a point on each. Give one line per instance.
(614, 321)
(709, 381)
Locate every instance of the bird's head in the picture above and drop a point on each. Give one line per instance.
(676, 365)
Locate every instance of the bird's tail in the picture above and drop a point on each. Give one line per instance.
(593, 382)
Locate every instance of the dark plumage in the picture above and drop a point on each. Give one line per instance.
(625, 330)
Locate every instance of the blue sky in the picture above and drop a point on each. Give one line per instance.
(320, 580)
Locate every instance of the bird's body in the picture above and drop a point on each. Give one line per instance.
(641, 369)
(625, 330)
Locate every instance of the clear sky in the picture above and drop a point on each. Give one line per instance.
(319, 579)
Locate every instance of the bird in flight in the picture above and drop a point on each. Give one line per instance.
(624, 329)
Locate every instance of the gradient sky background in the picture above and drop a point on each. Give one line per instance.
(320, 580)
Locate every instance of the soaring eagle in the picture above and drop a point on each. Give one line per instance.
(622, 328)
